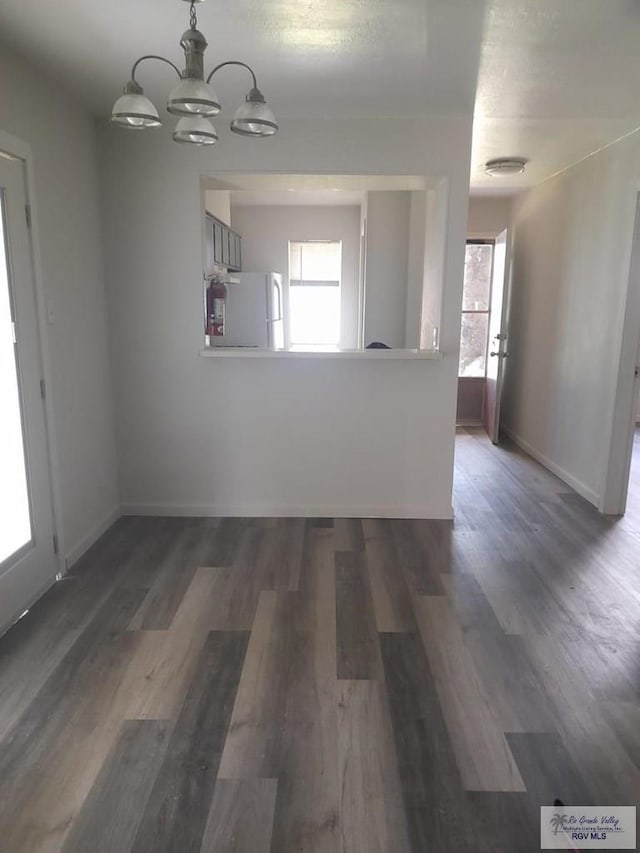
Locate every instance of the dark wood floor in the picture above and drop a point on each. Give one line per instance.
(289, 685)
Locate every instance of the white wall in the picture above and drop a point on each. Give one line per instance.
(572, 247)
(415, 266)
(388, 228)
(435, 259)
(266, 231)
(488, 216)
(362, 295)
(218, 204)
(63, 146)
(252, 436)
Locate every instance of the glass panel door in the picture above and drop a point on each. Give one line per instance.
(475, 309)
(28, 562)
(15, 512)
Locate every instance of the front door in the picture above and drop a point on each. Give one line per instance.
(498, 335)
(28, 563)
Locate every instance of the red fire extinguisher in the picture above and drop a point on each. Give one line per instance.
(216, 302)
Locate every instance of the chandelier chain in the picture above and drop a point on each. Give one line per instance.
(193, 16)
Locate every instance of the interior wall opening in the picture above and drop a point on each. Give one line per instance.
(388, 236)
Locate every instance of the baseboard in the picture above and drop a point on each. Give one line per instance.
(75, 553)
(288, 511)
(578, 486)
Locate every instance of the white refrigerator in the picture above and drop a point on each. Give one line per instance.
(253, 312)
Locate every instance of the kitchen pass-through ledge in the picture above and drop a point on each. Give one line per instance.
(257, 352)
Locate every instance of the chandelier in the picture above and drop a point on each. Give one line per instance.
(193, 99)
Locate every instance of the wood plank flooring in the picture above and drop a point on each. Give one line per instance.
(294, 685)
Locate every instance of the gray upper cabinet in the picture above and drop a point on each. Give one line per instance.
(209, 244)
(236, 259)
(224, 246)
(217, 242)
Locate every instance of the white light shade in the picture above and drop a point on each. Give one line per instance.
(135, 112)
(192, 97)
(254, 118)
(195, 130)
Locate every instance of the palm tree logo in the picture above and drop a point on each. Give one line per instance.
(557, 822)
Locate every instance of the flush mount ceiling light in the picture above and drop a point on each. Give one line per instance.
(505, 166)
(193, 99)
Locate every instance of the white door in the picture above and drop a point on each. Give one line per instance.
(498, 335)
(28, 563)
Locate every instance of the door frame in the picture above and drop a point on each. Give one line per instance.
(503, 327)
(17, 149)
(623, 420)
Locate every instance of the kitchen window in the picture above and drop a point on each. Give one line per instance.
(315, 268)
(476, 308)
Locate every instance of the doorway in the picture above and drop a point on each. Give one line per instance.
(483, 337)
(632, 514)
(28, 562)
(474, 332)
(625, 452)
(619, 492)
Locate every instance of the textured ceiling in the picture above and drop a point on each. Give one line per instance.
(296, 198)
(552, 80)
(312, 57)
(558, 80)
(278, 183)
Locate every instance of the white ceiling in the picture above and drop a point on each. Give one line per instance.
(552, 80)
(278, 183)
(303, 198)
(558, 80)
(316, 57)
